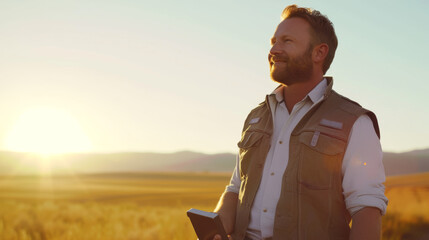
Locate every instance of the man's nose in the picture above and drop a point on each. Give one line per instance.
(274, 49)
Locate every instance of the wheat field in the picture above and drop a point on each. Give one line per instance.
(153, 206)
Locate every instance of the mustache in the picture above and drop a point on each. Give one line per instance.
(277, 58)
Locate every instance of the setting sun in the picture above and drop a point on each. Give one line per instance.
(47, 131)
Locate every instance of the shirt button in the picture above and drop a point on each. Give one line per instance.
(272, 174)
(280, 142)
(265, 210)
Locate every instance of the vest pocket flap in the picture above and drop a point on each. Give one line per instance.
(320, 161)
(323, 142)
(250, 139)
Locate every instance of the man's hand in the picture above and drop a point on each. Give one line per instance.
(226, 208)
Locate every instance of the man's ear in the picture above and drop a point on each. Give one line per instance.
(320, 52)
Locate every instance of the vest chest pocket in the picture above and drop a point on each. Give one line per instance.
(248, 144)
(320, 159)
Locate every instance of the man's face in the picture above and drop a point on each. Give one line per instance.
(290, 56)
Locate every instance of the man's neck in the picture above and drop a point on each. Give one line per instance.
(294, 93)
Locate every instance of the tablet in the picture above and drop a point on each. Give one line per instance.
(206, 224)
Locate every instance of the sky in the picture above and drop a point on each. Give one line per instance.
(166, 76)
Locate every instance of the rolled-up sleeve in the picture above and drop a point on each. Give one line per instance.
(363, 170)
(234, 183)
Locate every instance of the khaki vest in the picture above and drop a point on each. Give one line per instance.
(311, 204)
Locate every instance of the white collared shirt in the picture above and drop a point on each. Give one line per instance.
(362, 167)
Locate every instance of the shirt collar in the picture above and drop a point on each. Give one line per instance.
(314, 95)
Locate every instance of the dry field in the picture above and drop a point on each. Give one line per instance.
(153, 206)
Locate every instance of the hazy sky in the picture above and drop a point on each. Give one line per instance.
(171, 75)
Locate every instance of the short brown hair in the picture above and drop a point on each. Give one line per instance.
(323, 29)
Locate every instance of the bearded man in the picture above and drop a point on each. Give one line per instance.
(309, 160)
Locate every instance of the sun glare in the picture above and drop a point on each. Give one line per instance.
(47, 131)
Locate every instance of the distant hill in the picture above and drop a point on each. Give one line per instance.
(28, 163)
(25, 163)
(416, 161)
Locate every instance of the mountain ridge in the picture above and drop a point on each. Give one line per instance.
(17, 163)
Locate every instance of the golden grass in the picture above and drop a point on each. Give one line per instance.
(408, 210)
(71, 220)
(153, 206)
(106, 206)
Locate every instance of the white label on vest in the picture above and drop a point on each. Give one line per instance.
(315, 138)
(254, 120)
(331, 124)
